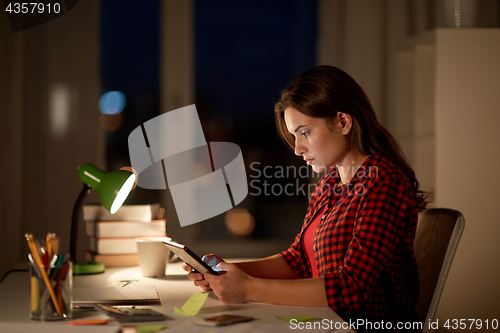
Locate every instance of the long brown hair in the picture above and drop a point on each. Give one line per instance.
(322, 92)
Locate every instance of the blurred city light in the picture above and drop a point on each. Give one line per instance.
(112, 102)
(240, 222)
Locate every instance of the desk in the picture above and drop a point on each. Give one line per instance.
(174, 289)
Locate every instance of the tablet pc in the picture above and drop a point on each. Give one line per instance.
(189, 257)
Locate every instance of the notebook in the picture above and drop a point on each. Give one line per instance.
(129, 295)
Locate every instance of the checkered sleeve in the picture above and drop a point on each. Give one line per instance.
(293, 258)
(379, 224)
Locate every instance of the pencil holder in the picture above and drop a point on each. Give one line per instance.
(50, 289)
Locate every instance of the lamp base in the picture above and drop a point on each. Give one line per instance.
(82, 267)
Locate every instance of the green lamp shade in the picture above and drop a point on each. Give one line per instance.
(113, 187)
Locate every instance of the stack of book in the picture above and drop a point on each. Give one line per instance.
(112, 237)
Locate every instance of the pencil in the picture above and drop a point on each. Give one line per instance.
(48, 246)
(38, 261)
(35, 294)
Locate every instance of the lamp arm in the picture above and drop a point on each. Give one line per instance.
(74, 221)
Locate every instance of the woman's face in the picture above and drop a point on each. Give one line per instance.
(320, 145)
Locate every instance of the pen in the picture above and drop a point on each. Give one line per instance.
(60, 258)
(35, 267)
(52, 268)
(61, 275)
(91, 322)
(60, 299)
(38, 261)
(45, 258)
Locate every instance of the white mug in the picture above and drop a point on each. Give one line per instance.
(153, 255)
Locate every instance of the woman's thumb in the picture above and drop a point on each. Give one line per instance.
(221, 267)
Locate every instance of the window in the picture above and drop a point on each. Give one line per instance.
(246, 52)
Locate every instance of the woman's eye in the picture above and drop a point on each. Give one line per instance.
(306, 134)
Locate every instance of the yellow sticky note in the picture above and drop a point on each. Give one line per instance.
(298, 318)
(149, 328)
(192, 305)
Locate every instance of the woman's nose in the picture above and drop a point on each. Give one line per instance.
(299, 148)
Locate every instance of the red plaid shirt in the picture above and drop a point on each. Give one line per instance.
(364, 243)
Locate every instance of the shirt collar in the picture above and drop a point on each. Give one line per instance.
(333, 177)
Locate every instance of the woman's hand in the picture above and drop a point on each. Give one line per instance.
(231, 287)
(211, 260)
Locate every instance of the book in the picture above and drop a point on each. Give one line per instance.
(122, 245)
(138, 213)
(128, 295)
(100, 229)
(113, 260)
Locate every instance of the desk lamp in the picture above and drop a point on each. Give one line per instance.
(113, 188)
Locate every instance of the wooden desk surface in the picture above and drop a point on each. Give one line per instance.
(174, 289)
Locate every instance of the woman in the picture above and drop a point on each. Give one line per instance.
(355, 250)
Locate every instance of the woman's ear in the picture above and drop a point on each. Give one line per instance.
(345, 122)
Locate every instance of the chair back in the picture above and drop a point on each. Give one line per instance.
(436, 241)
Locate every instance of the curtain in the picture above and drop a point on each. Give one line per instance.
(50, 87)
